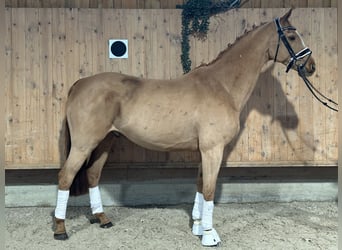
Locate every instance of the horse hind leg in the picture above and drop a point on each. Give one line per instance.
(96, 163)
(66, 175)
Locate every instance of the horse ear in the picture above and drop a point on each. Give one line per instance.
(287, 15)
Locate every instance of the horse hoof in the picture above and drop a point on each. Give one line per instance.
(107, 225)
(94, 220)
(210, 238)
(62, 236)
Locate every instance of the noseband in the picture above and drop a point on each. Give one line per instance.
(294, 58)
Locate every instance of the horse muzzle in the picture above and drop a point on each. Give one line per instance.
(310, 68)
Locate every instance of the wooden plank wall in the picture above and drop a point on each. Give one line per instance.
(47, 50)
(160, 4)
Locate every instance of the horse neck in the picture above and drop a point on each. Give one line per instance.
(237, 69)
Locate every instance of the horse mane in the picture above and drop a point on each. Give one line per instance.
(231, 45)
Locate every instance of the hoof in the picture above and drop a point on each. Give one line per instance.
(197, 229)
(62, 236)
(107, 225)
(210, 238)
(94, 220)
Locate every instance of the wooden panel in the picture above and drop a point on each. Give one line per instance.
(3, 44)
(47, 50)
(157, 4)
(33, 147)
(45, 84)
(330, 70)
(15, 137)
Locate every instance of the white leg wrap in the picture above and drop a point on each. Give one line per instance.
(198, 207)
(62, 201)
(210, 237)
(197, 214)
(95, 200)
(207, 215)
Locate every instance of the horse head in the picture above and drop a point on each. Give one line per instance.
(289, 48)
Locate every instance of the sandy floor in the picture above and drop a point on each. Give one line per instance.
(297, 225)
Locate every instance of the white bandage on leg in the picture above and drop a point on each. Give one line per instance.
(197, 214)
(95, 200)
(207, 215)
(198, 206)
(62, 201)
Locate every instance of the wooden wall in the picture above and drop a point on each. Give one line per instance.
(49, 49)
(159, 4)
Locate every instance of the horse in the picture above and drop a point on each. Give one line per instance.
(198, 111)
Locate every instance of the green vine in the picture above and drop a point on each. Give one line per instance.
(195, 21)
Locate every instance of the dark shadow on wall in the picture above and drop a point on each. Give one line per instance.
(265, 102)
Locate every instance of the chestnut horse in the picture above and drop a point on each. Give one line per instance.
(197, 111)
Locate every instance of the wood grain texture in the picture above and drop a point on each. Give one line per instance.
(47, 50)
(160, 4)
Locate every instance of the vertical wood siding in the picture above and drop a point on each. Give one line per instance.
(160, 4)
(47, 50)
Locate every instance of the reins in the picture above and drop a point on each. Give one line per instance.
(295, 57)
(315, 92)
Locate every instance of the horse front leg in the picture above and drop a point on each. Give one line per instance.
(211, 162)
(198, 205)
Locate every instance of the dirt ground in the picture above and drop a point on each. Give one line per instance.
(296, 225)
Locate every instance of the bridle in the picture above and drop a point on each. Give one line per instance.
(295, 59)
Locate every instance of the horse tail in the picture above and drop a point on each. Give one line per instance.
(80, 184)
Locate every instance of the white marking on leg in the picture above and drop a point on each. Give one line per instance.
(62, 202)
(95, 200)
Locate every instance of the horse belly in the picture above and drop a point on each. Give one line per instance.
(162, 132)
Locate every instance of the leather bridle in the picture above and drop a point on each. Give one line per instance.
(295, 59)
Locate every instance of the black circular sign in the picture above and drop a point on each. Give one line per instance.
(118, 48)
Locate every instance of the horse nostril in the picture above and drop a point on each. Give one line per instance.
(313, 67)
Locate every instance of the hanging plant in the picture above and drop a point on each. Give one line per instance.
(195, 21)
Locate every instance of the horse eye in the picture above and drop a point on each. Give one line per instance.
(292, 38)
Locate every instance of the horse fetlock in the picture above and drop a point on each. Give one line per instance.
(60, 225)
(210, 238)
(60, 231)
